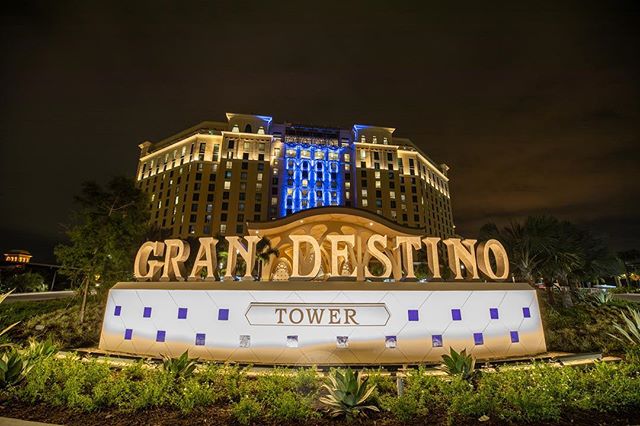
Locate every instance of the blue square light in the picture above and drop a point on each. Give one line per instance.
(478, 338)
(436, 340)
(413, 315)
(117, 311)
(493, 313)
(456, 315)
(160, 335)
(128, 334)
(526, 312)
(182, 313)
(147, 312)
(514, 337)
(223, 314)
(200, 338)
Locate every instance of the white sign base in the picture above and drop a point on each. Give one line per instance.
(323, 323)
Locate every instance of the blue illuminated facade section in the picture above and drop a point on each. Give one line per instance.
(313, 177)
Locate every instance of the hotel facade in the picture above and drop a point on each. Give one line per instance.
(215, 177)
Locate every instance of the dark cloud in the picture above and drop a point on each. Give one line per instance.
(534, 106)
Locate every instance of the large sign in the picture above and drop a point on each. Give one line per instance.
(322, 246)
(318, 296)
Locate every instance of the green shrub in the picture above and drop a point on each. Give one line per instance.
(65, 382)
(607, 387)
(227, 382)
(348, 394)
(192, 393)
(135, 387)
(246, 411)
(58, 321)
(582, 328)
(290, 406)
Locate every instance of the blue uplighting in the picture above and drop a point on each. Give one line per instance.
(313, 177)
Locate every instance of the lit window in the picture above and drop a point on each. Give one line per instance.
(291, 153)
(227, 184)
(365, 202)
(378, 185)
(377, 174)
(177, 200)
(364, 193)
(247, 146)
(259, 176)
(392, 195)
(261, 147)
(347, 184)
(375, 139)
(305, 182)
(319, 155)
(333, 156)
(305, 153)
(363, 154)
(347, 157)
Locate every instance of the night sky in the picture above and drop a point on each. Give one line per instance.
(536, 108)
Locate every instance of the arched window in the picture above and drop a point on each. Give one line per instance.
(247, 128)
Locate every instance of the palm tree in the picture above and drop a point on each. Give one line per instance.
(264, 252)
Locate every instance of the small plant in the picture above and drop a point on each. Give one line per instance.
(40, 350)
(459, 364)
(181, 367)
(629, 331)
(13, 368)
(247, 410)
(348, 394)
(601, 298)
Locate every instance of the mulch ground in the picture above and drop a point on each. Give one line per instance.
(221, 416)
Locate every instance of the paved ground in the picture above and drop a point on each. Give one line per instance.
(5, 421)
(633, 297)
(43, 295)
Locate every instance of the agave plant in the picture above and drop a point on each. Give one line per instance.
(459, 364)
(181, 367)
(3, 332)
(601, 298)
(13, 368)
(629, 330)
(348, 394)
(40, 350)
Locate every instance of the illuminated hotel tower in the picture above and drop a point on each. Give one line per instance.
(215, 177)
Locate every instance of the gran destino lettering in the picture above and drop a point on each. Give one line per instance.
(487, 259)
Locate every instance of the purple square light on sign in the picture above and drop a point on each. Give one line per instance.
(223, 314)
(413, 315)
(436, 340)
(456, 315)
(147, 312)
(200, 338)
(514, 337)
(526, 312)
(182, 313)
(117, 311)
(493, 313)
(478, 338)
(128, 334)
(161, 335)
